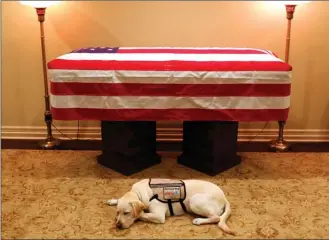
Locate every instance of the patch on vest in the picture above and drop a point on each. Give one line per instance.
(168, 189)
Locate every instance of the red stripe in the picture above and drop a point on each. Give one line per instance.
(170, 114)
(193, 51)
(168, 65)
(136, 89)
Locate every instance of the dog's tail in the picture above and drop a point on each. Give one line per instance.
(223, 218)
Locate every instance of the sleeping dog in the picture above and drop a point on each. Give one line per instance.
(152, 200)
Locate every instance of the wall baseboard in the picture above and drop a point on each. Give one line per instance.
(170, 134)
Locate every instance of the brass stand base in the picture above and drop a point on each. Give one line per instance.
(49, 143)
(279, 146)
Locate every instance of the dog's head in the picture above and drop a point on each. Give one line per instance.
(129, 209)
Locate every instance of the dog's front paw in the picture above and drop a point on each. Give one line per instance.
(112, 202)
(197, 221)
(142, 216)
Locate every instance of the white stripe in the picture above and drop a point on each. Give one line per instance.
(196, 48)
(170, 57)
(169, 77)
(133, 102)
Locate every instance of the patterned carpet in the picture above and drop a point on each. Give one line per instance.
(62, 194)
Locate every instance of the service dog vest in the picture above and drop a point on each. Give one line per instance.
(168, 191)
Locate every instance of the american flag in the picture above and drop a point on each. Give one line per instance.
(170, 83)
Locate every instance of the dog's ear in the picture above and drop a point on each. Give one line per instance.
(138, 207)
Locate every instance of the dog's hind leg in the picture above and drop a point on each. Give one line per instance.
(209, 220)
(202, 204)
(211, 209)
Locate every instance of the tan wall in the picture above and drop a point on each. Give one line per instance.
(71, 25)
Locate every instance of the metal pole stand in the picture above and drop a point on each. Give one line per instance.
(50, 142)
(280, 145)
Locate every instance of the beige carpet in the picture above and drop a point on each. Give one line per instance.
(62, 194)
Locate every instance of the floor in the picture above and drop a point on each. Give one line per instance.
(62, 194)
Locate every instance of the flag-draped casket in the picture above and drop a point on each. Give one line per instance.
(169, 83)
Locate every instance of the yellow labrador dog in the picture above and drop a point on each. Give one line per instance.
(199, 197)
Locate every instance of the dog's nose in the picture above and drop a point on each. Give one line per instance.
(119, 225)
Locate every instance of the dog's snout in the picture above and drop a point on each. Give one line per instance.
(119, 225)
